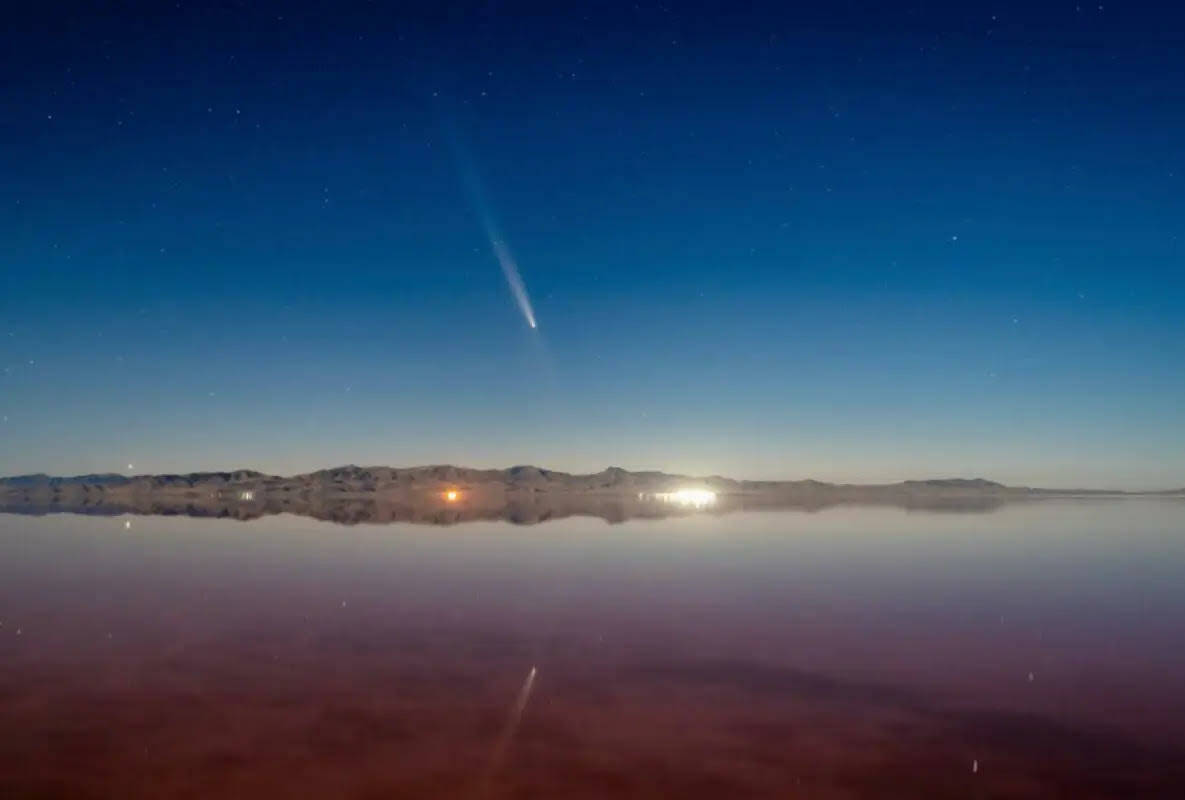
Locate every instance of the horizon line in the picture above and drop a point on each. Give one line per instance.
(712, 476)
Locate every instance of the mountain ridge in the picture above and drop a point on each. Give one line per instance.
(375, 478)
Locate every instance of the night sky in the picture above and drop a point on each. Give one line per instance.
(919, 240)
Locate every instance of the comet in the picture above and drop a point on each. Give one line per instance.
(477, 198)
(510, 271)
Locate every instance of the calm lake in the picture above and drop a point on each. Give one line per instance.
(1035, 650)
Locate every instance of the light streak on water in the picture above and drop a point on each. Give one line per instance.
(507, 736)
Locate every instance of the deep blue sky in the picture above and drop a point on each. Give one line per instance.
(847, 243)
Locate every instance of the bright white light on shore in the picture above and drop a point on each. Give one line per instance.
(451, 495)
(689, 497)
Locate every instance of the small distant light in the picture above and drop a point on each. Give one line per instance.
(451, 495)
(131, 466)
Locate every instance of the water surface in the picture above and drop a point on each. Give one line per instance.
(1034, 650)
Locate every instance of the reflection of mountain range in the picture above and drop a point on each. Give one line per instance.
(519, 494)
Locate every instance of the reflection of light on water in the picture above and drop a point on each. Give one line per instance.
(516, 716)
(697, 498)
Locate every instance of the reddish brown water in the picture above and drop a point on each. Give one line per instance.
(1036, 651)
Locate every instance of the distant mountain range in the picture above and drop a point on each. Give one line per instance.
(448, 493)
(352, 479)
(612, 479)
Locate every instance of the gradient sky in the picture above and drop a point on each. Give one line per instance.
(842, 243)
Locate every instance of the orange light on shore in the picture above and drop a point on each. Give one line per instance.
(451, 495)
